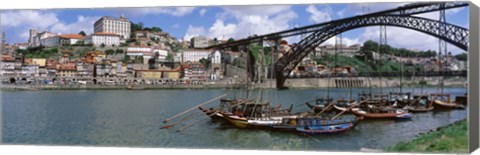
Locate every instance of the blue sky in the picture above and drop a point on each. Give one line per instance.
(225, 21)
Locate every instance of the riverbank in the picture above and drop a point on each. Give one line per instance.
(149, 87)
(452, 138)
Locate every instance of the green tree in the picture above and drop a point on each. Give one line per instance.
(205, 62)
(110, 52)
(82, 33)
(102, 45)
(126, 58)
(169, 57)
(156, 29)
(117, 51)
(462, 56)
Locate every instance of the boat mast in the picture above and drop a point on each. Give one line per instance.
(442, 47)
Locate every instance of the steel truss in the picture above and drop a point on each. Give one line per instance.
(450, 33)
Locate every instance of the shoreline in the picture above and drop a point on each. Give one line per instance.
(167, 87)
(452, 138)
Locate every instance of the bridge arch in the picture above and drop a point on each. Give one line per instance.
(453, 34)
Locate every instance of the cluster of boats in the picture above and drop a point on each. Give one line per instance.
(325, 115)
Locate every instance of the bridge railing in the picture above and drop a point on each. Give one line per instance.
(462, 73)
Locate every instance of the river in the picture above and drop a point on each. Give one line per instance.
(134, 117)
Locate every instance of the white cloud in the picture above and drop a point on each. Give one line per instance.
(174, 11)
(19, 22)
(405, 38)
(341, 13)
(82, 24)
(248, 20)
(194, 31)
(345, 41)
(176, 26)
(28, 18)
(364, 8)
(318, 16)
(202, 11)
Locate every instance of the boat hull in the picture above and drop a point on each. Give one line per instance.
(324, 129)
(447, 105)
(419, 109)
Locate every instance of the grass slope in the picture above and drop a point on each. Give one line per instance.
(450, 139)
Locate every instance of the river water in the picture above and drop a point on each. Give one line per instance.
(134, 117)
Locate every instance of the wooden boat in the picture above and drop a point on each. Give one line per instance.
(133, 87)
(420, 103)
(256, 115)
(442, 101)
(399, 99)
(368, 110)
(214, 114)
(321, 104)
(316, 124)
(343, 104)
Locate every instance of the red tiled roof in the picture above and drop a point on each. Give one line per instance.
(71, 36)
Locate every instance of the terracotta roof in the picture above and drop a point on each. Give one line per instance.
(69, 66)
(71, 36)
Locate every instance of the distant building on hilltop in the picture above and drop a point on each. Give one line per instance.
(35, 38)
(120, 26)
(107, 39)
(4, 39)
(199, 42)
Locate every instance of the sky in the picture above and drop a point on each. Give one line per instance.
(224, 22)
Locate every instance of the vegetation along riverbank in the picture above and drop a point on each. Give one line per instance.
(452, 138)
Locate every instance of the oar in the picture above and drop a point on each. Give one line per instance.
(196, 122)
(179, 121)
(351, 106)
(194, 108)
(324, 109)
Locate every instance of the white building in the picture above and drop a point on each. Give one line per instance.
(195, 55)
(120, 26)
(199, 42)
(30, 70)
(61, 40)
(35, 38)
(139, 50)
(215, 58)
(162, 54)
(177, 57)
(108, 39)
(216, 65)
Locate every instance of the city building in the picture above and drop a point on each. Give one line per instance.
(84, 69)
(61, 40)
(103, 38)
(194, 71)
(120, 26)
(66, 70)
(199, 42)
(7, 66)
(51, 68)
(340, 50)
(195, 55)
(30, 70)
(4, 39)
(162, 54)
(139, 50)
(216, 65)
(148, 74)
(156, 36)
(35, 38)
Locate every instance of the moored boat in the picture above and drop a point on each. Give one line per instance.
(420, 103)
(368, 110)
(443, 101)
